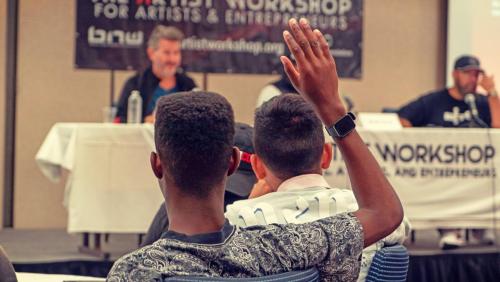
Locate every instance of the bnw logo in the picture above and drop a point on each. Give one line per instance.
(114, 38)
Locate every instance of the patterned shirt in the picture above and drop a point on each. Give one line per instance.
(332, 244)
(306, 198)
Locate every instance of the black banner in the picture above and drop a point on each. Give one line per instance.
(221, 36)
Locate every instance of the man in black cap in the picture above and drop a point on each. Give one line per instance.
(448, 108)
(238, 185)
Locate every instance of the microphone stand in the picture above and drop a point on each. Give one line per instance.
(475, 121)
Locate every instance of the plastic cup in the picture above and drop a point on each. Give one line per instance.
(108, 114)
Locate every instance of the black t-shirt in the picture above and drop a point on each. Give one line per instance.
(441, 110)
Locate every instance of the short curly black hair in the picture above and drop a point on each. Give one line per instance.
(194, 134)
(288, 136)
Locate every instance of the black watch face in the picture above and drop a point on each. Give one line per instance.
(344, 125)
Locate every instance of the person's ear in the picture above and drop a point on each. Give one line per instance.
(156, 165)
(234, 162)
(258, 167)
(326, 157)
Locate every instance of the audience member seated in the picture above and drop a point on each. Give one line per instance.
(290, 155)
(238, 185)
(195, 154)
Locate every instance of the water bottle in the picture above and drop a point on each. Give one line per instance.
(134, 108)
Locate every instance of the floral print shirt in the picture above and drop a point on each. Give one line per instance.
(333, 245)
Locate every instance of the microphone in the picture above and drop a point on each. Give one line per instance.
(470, 100)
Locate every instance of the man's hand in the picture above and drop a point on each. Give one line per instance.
(259, 189)
(315, 76)
(487, 83)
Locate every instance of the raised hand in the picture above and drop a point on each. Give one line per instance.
(487, 83)
(315, 75)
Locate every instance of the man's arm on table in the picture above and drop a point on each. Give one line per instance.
(315, 77)
(404, 122)
(413, 113)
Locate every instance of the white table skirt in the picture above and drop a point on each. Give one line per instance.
(444, 177)
(111, 187)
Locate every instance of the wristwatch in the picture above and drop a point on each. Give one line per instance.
(343, 126)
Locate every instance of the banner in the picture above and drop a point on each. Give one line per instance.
(221, 36)
(444, 177)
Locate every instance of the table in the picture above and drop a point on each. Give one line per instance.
(110, 187)
(444, 177)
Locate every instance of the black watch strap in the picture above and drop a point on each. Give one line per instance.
(342, 126)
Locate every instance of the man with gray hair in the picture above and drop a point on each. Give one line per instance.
(163, 77)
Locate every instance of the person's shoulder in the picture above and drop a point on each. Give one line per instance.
(343, 216)
(345, 225)
(134, 78)
(276, 202)
(184, 76)
(431, 98)
(134, 260)
(242, 210)
(184, 81)
(139, 75)
(435, 95)
(275, 199)
(122, 267)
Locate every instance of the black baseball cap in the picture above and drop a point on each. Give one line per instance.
(467, 62)
(243, 179)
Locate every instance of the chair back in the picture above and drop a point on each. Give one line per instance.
(310, 275)
(389, 264)
(7, 273)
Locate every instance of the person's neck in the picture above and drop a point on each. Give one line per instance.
(191, 215)
(168, 82)
(274, 181)
(456, 94)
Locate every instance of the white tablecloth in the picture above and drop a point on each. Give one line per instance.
(444, 177)
(110, 187)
